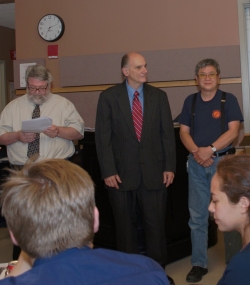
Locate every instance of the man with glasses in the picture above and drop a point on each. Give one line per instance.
(209, 123)
(54, 142)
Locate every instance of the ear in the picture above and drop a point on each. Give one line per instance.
(96, 220)
(244, 204)
(13, 238)
(125, 71)
(218, 79)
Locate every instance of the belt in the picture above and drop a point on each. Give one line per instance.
(229, 151)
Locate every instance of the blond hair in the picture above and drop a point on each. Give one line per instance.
(49, 207)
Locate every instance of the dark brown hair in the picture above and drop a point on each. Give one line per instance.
(234, 174)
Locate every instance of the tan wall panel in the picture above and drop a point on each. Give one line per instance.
(167, 65)
(111, 26)
(85, 104)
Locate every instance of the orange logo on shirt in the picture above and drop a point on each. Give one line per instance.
(216, 114)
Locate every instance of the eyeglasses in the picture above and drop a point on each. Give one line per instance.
(39, 89)
(209, 75)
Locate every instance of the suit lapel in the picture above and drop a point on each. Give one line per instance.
(125, 108)
(147, 112)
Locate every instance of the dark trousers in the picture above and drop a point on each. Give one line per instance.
(152, 207)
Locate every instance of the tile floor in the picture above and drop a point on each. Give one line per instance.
(216, 265)
(177, 270)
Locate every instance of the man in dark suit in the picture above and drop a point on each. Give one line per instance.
(136, 151)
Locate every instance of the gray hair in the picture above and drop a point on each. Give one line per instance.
(207, 62)
(39, 72)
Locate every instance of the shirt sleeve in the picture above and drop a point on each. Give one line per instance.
(72, 118)
(6, 124)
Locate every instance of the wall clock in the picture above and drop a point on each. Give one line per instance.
(51, 27)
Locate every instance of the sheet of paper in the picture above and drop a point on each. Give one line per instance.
(36, 125)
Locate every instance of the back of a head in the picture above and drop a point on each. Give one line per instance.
(49, 207)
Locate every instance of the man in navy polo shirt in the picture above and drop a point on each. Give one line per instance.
(209, 122)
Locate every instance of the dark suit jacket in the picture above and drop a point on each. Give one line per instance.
(119, 151)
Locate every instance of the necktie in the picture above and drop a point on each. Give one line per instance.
(137, 115)
(33, 147)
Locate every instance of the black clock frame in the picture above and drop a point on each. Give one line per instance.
(62, 31)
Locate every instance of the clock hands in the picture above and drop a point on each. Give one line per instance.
(53, 26)
(49, 29)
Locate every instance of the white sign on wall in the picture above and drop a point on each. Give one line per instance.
(23, 68)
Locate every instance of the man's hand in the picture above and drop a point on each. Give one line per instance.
(203, 156)
(113, 181)
(26, 137)
(51, 131)
(208, 162)
(168, 178)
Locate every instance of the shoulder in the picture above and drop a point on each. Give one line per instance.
(238, 267)
(20, 100)
(189, 99)
(132, 259)
(60, 100)
(136, 269)
(229, 96)
(151, 89)
(237, 271)
(112, 94)
(114, 89)
(56, 97)
(17, 103)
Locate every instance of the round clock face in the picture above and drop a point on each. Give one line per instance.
(51, 28)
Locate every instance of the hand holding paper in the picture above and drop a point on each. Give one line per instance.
(36, 125)
(52, 131)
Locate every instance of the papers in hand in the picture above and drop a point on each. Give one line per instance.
(36, 125)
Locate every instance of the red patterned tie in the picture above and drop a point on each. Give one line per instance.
(137, 115)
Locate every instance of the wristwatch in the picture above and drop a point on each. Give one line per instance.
(213, 148)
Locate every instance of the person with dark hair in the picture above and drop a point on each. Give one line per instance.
(54, 142)
(209, 123)
(230, 206)
(50, 212)
(136, 151)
